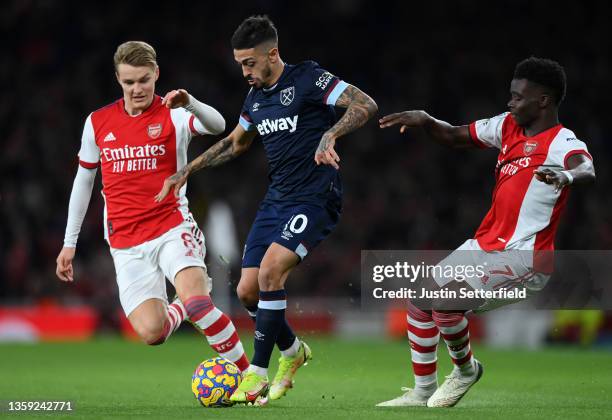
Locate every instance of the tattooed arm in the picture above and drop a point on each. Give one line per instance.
(226, 149)
(359, 109)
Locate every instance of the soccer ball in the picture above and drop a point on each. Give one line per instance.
(214, 381)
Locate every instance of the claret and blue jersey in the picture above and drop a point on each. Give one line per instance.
(303, 201)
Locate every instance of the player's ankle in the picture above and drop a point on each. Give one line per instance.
(465, 371)
(292, 351)
(426, 390)
(261, 371)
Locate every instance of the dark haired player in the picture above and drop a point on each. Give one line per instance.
(291, 108)
(538, 160)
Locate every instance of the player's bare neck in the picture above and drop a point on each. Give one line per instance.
(133, 111)
(541, 124)
(277, 72)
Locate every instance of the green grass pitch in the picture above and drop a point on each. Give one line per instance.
(113, 378)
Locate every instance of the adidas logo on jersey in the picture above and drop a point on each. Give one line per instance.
(280, 124)
(110, 137)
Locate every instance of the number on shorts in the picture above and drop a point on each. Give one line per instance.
(188, 241)
(303, 222)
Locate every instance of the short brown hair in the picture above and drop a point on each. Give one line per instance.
(135, 53)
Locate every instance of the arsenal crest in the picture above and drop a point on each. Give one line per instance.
(529, 147)
(286, 95)
(154, 130)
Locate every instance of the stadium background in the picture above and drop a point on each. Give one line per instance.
(454, 60)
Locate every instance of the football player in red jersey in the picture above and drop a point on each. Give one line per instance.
(538, 160)
(138, 141)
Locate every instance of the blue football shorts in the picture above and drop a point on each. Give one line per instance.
(298, 227)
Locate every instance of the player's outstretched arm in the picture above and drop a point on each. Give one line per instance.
(580, 171)
(440, 131)
(359, 109)
(77, 207)
(224, 150)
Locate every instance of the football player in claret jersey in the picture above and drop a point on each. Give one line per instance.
(538, 161)
(137, 141)
(290, 108)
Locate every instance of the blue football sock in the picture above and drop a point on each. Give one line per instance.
(285, 338)
(270, 319)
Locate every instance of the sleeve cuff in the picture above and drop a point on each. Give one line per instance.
(88, 165)
(246, 124)
(474, 137)
(192, 127)
(70, 243)
(334, 92)
(573, 153)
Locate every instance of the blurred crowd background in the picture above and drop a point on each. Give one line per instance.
(453, 59)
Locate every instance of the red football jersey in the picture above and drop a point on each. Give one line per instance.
(525, 212)
(136, 154)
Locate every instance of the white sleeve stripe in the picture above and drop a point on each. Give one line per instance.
(336, 92)
(245, 124)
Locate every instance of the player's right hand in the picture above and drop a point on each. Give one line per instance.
(175, 98)
(407, 119)
(175, 181)
(64, 264)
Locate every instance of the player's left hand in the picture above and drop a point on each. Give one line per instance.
(176, 98)
(548, 176)
(325, 153)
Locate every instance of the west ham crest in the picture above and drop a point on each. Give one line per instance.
(154, 130)
(286, 95)
(529, 147)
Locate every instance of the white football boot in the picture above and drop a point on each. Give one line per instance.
(454, 387)
(410, 398)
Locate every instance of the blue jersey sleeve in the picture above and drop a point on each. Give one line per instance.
(245, 119)
(322, 86)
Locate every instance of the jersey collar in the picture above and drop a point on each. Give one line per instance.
(280, 79)
(154, 104)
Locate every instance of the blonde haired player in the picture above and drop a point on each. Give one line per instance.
(138, 141)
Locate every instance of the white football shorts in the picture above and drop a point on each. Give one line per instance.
(142, 270)
(492, 271)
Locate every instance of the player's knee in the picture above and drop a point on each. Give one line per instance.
(151, 333)
(191, 281)
(248, 295)
(270, 277)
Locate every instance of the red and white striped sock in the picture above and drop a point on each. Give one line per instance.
(176, 315)
(218, 329)
(423, 336)
(456, 333)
